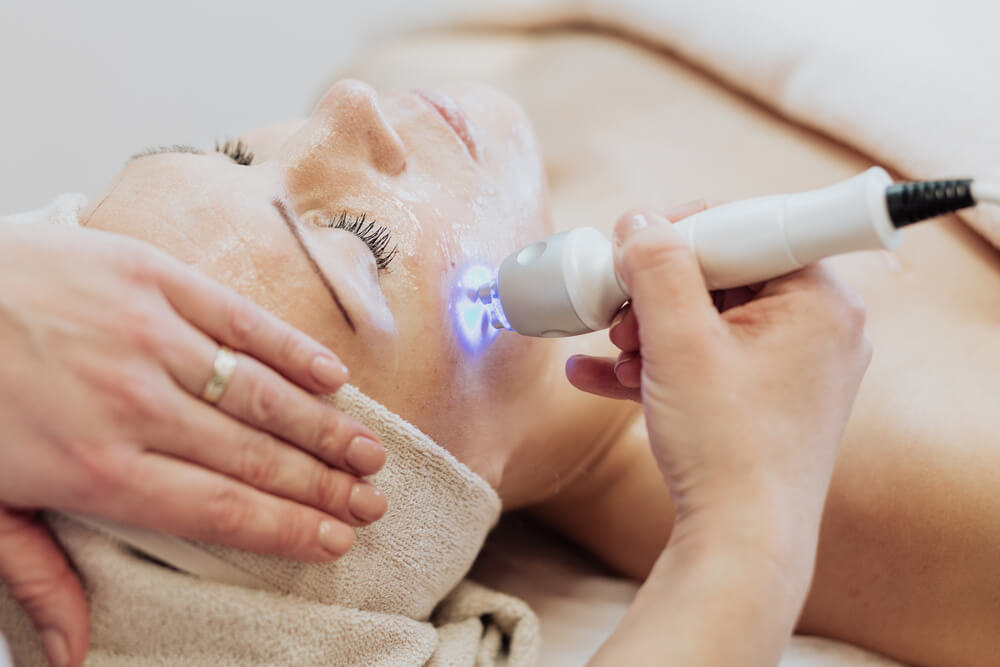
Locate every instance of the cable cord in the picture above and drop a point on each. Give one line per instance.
(913, 201)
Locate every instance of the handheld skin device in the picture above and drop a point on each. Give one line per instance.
(566, 284)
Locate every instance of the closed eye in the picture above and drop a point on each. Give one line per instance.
(172, 148)
(376, 237)
(236, 150)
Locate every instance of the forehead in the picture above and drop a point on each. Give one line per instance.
(207, 213)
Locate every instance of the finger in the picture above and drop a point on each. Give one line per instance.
(597, 376)
(815, 276)
(813, 297)
(681, 211)
(828, 301)
(668, 293)
(628, 369)
(205, 436)
(239, 323)
(39, 578)
(624, 331)
(176, 497)
(262, 399)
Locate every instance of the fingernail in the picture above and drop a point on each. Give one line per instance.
(684, 210)
(365, 455)
(56, 647)
(335, 538)
(625, 228)
(366, 502)
(329, 373)
(625, 358)
(618, 319)
(628, 375)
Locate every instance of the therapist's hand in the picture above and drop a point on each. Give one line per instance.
(106, 346)
(745, 408)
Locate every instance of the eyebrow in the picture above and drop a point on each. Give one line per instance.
(172, 148)
(286, 215)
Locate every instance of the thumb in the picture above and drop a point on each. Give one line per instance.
(662, 276)
(38, 576)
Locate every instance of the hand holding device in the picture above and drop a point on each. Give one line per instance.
(745, 410)
(566, 285)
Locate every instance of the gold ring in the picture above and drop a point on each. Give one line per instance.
(222, 372)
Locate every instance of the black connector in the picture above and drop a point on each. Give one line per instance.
(919, 200)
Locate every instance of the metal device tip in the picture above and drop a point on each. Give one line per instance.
(481, 294)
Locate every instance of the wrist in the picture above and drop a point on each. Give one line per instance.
(756, 523)
(713, 579)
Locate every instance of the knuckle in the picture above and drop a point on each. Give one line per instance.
(264, 400)
(295, 532)
(100, 471)
(138, 262)
(243, 321)
(290, 348)
(137, 397)
(334, 434)
(145, 331)
(42, 592)
(329, 489)
(257, 461)
(226, 513)
(97, 467)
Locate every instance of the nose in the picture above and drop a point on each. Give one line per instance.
(347, 125)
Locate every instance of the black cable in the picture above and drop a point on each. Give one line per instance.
(918, 200)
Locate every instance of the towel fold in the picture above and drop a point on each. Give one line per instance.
(397, 598)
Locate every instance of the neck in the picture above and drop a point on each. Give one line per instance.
(556, 434)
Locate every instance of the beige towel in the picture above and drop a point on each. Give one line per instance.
(397, 598)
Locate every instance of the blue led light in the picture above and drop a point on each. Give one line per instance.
(472, 318)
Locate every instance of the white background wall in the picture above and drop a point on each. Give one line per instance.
(83, 85)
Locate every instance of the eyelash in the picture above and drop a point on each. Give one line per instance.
(237, 150)
(376, 237)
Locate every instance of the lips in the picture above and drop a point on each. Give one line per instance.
(452, 115)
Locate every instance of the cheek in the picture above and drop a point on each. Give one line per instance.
(460, 237)
(445, 337)
(515, 182)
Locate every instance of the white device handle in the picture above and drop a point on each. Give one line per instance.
(566, 284)
(753, 240)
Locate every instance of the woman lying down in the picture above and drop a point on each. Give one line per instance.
(355, 226)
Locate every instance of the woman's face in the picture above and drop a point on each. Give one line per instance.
(453, 176)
